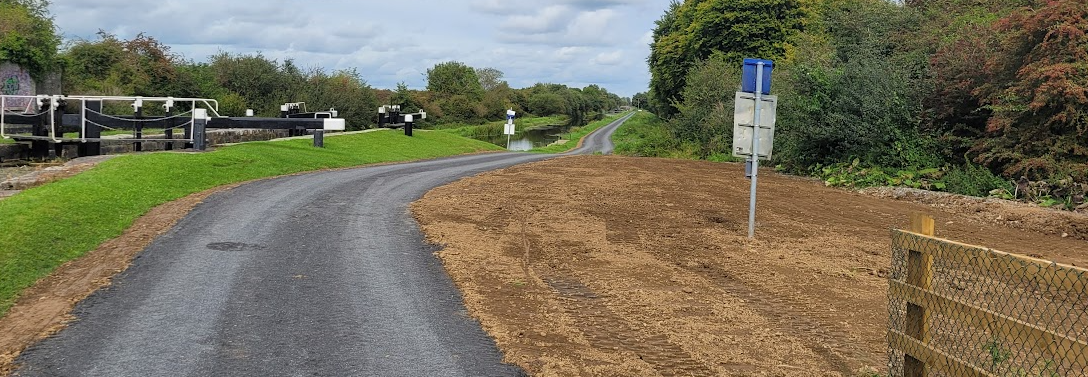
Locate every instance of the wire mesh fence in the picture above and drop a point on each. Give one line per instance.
(962, 310)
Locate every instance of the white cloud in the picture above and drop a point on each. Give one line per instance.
(573, 42)
(593, 27)
(547, 20)
(647, 38)
(609, 58)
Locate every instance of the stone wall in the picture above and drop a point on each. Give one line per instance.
(14, 80)
(51, 83)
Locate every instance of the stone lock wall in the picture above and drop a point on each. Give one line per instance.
(14, 80)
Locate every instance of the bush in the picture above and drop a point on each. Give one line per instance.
(459, 108)
(646, 135)
(706, 115)
(974, 180)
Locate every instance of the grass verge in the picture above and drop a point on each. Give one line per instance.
(496, 127)
(646, 135)
(577, 133)
(47, 226)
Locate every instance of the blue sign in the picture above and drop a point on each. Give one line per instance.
(749, 73)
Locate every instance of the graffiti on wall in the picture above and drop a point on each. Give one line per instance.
(14, 80)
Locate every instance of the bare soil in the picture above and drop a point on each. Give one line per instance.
(611, 266)
(619, 266)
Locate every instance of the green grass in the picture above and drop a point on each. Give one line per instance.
(577, 133)
(46, 226)
(646, 135)
(496, 127)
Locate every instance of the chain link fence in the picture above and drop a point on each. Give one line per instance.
(961, 310)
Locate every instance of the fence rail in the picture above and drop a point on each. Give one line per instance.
(964, 310)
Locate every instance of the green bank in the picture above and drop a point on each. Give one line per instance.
(47, 226)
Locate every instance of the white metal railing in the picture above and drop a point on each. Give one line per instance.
(34, 106)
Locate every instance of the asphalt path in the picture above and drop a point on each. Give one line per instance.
(318, 274)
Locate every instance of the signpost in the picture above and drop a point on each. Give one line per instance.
(753, 124)
(509, 130)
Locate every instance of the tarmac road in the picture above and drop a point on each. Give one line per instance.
(318, 274)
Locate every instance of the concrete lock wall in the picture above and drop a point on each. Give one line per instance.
(14, 80)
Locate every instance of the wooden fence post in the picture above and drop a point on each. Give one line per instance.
(919, 274)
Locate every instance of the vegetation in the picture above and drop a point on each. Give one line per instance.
(27, 35)
(49, 225)
(696, 30)
(143, 66)
(496, 127)
(960, 95)
(577, 133)
(646, 135)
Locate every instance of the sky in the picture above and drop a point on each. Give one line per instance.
(571, 42)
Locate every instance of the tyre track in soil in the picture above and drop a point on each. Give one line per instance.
(608, 331)
(316, 274)
(816, 332)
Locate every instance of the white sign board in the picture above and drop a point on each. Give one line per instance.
(743, 117)
(509, 129)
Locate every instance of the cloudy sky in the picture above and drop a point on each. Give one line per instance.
(572, 42)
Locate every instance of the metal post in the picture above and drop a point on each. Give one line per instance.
(200, 121)
(408, 125)
(57, 124)
(91, 130)
(170, 123)
(319, 138)
(138, 126)
(40, 148)
(755, 151)
(187, 133)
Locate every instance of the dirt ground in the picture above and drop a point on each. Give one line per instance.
(615, 266)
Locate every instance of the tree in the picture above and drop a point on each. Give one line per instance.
(343, 90)
(640, 100)
(490, 78)
(849, 96)
(954, 38)
(547, 103)
(669, 58)
(497, 100)
(142, 66)
(695, 30)
(705, 118)
(1037, 88)
(28, 36)
(257, 79)
(454, 78)
(404, 98)
(597, 98)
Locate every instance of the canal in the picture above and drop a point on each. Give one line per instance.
(526, 140)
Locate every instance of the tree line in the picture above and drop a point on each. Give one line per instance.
(974, 94)
(143, 66)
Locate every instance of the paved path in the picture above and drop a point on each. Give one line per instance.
(318, 274)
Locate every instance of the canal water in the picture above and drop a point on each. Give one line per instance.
(535, 138)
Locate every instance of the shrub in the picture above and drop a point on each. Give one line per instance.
(974, 180)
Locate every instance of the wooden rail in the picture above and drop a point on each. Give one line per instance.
(923, 303)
